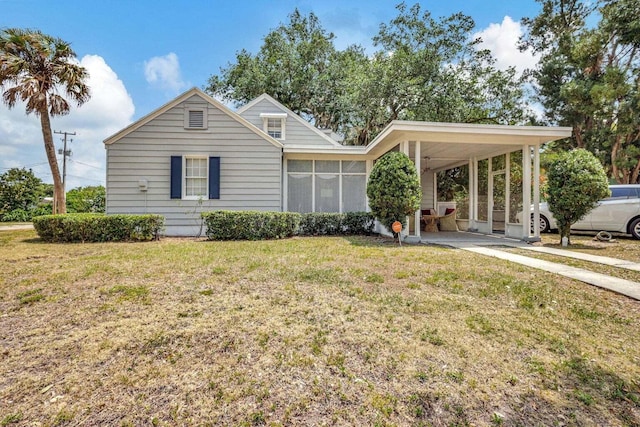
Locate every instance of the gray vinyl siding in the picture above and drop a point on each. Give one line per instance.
(295, 132)
(250, 168)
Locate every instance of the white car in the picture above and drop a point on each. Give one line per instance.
(618, 213)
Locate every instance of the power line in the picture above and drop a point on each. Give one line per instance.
(65, 153)
(86, 164)
(26, 166)
(84, 177)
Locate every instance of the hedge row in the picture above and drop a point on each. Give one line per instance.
(97, 227)
(258, 225)
(318, 224)
(250, 225)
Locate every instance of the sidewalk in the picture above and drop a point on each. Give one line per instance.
(621, 286)
(16, 227)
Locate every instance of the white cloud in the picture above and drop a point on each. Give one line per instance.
(109, 110)
(164, 72)
(502, 40)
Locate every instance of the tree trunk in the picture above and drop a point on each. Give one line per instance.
(58, 190)
(565, 232)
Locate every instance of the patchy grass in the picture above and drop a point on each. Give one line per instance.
(305, 331)
(621, 247)
(620, 273)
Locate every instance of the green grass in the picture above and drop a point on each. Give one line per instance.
(305, 331)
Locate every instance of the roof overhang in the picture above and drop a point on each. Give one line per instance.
(446, 145)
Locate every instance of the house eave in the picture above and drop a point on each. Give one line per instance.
(464, 133)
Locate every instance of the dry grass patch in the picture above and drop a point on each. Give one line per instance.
(621, 247)
(305, 331)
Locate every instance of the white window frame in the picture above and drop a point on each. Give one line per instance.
(188, 108)
(274, 116)
(184, 177)
(341, 173)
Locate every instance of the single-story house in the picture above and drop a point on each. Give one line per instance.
(194, 154)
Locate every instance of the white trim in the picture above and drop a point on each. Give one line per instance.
(273, 115)
(188, 109)
(184, 176)
(283, 124)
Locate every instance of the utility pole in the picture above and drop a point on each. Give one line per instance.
(65, 153)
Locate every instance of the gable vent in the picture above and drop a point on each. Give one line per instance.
(196, 119)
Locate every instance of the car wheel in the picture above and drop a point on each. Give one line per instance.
(544, 224)
(634, 228)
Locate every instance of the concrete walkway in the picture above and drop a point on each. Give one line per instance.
(488, 246)
(16, 227)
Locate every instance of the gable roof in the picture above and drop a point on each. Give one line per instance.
(177, 101)
(290, 113)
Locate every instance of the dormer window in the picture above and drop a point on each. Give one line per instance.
(195, 117)
(274, 125)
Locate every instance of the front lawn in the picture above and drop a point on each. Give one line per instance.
(622, 247)
(305, 331)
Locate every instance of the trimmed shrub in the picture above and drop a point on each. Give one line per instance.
(393, 189)
(358, 222)
(576, 181)
(318, 224)
(250, 225)
(97, 227)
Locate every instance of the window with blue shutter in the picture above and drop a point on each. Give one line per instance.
(176, 177)
(214, 177)
(194, 177)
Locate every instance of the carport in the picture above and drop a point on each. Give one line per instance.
(503, 164)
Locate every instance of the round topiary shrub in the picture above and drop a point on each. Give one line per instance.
(576, 181)
(394, 189)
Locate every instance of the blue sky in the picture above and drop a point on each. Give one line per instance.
(141, 54)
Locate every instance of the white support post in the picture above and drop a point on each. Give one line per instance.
(536, 192)
(285, 185)
(526, 191)
(473, 199)
(404, 148)
(418, 168)
(470, 192)
(490, 194)
(507, 191)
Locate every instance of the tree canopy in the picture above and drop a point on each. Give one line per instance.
(589, 77)
(423, 69)
(20, 193)
(34, 69)
(86, 199)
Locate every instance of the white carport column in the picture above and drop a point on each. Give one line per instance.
(536, 192)
(473, 193)
(526, 191)
(404, 148)
(418, 168)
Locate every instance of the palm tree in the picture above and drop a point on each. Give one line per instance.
(34, 68)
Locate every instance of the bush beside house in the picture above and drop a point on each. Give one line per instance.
(97, 227)
(394, 189)
(258, 225)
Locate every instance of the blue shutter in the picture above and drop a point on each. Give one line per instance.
(214, 177)
(176, 177)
